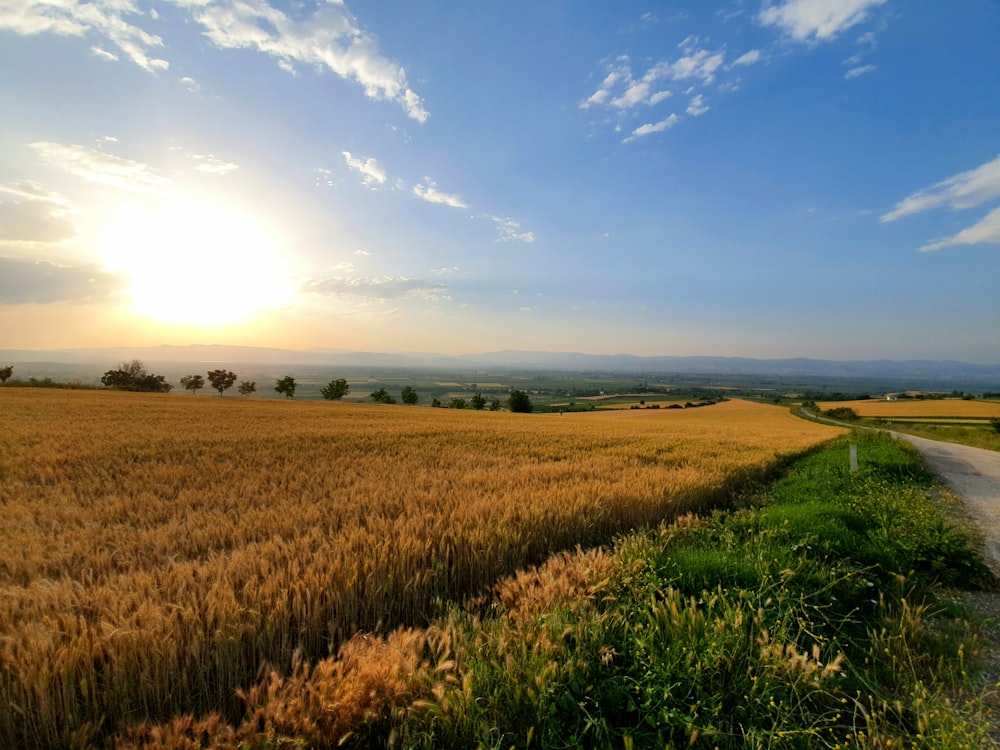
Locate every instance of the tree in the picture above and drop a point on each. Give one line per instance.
(458, 403)
(381, 396)
(409, 396)
(247, 387)
(193, 383)
(495, 404)
(6, 372)
(478, 402)
(286, 386)
(132, 376)
(995, 422)
(519, 402)
(335, 389)
(221, 380)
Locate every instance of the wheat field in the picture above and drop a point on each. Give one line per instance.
(932, 408)
(160, 550)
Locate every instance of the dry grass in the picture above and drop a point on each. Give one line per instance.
(161, 550)
(939, 408)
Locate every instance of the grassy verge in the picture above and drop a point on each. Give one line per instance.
(816, 618)
(978, 436)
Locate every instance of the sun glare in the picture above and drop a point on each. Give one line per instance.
(195, 264)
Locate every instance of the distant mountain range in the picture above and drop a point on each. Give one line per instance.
(943, 372)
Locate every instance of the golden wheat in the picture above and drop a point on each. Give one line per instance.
(947, 407)
(160, 550)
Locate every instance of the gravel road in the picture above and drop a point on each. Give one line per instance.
(974, 475)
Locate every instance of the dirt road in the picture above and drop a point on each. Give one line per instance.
(974, 475)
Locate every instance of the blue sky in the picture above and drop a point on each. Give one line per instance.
(783, 178)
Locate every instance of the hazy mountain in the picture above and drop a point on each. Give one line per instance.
(944, 372)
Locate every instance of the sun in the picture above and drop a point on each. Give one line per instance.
(195, 263)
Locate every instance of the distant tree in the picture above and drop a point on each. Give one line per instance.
(335, 389)
(844, 413)
(519, 402)
(478, 402)
(132, 376)
(286, 386)
(495, 404)
(995, 422)
(221, 380)
(435, 402)
(409, 396)
(381, 396)
(458, 403)
(247, 387)
(193, 383)
(6, 372)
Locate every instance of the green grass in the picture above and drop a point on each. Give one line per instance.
(819, 616)
(978, 436)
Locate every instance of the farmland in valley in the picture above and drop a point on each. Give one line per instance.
(911, 408)
(159, 549)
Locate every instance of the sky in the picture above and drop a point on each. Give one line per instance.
(757, 178)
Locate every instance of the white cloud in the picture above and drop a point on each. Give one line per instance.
(431, 194)
(377, 288)
(104, 54)
(986, 231)
(371, 171)
(510, 229)
(104, 169)
(30, 215)
(189, 83)
(329, 38)
(212, 165)
(39, 282)
(859, 71)
(105, 19)
(622, 90)
(701, 64)
(697, 106)
(816, 20)
(649, 128)
(964, 190)
(747, 58)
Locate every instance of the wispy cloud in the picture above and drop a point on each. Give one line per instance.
(213, 165)
(329, 38)
(28, 214)
(510, 230)
(377, 288)
(962, 191)
(101, 168)
(371, 171)
(986, 231)
(431, 194)
(697, 107)
(859, 71)
(39, 282)
(111, 21)
(747, 58)
(816, 20)
(654, 127)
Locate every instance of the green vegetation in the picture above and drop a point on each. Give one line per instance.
(821, 615)
(192, 383)
(221, 380)
(519, 401)
(286, 386)
(132, 376)
(247, 387)
(335, 389)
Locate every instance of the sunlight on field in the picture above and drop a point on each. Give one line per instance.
(948, 407)
(159, 548)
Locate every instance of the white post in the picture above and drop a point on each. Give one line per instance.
(854, 458)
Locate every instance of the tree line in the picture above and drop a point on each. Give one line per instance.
(133, 376)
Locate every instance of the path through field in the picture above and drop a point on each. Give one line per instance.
(974, 475)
